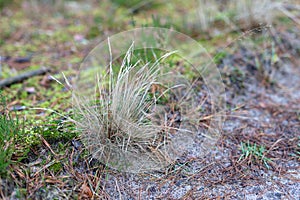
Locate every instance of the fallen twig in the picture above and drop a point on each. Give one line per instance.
(22, 77)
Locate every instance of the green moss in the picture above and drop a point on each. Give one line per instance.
(127, 3)
(98, 19)
(55, 130)
(93, 32)
(56, 167)
(9, 48)
(28, 48)
(76, 28)
(219, 57)
(61, 36)
(39, 36)
(45, 104)
(31, 138)
(76, 60)
(24, 95)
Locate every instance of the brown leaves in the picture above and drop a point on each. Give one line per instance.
(85, 192)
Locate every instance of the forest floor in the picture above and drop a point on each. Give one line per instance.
(256, 157)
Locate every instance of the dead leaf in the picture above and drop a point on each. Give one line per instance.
(86, 192)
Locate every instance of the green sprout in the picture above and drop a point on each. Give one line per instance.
(254, 151)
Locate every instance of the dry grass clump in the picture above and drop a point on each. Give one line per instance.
(132, 122)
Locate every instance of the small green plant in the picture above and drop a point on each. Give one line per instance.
(254, 152)
(56, 167)
(10, 129)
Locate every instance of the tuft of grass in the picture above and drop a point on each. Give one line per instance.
(254, 152)
(126, 125)
(10, 130)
